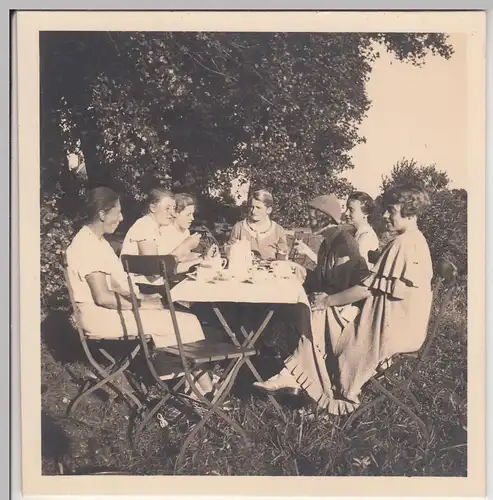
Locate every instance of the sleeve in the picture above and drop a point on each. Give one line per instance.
(350, 268)
(345, 266)
(88, 259)
(142, 230)
(397, 270)
(282, 241)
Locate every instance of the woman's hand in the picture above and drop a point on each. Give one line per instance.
(183, 267)
(319, 301)
(186, 246)
(191, 257)
(302, 248)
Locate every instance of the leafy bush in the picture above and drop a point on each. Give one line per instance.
(57, 231)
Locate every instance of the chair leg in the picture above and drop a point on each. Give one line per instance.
(398, 402)
(357, 413)
(155, 409)
(147, 419)
(214, 408)
(404, 387)
(248, 342)
(107, 377)
(412, 397)
(272, 399)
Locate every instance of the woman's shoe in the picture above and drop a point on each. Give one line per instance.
(279, 385)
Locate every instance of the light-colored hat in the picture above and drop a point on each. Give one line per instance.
(328, 204)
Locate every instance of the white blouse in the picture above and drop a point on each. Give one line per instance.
(367, 241)
(88, 254)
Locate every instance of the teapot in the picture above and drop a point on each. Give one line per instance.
(240, 258)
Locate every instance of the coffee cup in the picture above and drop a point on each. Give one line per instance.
(206, 273)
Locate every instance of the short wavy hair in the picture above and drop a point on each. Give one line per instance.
(366, 201)
(263, 196)
(413, 199)
(184, 200)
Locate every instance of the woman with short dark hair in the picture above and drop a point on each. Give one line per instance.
(100, 286)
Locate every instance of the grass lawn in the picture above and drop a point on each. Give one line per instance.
(384, 442)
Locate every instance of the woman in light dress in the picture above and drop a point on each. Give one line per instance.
(396, 301)
(100, 287)
(178, 232)
(267, 238)
(150, 234)
(359, 207)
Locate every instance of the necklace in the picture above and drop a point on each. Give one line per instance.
(256, 230)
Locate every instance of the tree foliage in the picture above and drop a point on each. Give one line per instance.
(193, 111)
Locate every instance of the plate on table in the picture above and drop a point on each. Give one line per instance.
(226, 275)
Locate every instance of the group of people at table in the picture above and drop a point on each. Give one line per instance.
(360, 313)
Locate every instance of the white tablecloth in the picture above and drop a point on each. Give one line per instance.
(272, 291)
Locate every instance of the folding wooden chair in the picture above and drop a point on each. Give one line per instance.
(109, 372)
(384, 381)
(179, 360)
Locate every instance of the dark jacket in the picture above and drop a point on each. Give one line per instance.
(339, 263)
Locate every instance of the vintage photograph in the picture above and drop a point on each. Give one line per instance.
(260, 253)
(253, 253)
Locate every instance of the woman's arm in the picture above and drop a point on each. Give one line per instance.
(147, 247)
(104, 297)
(349, 296)
(303, 249)
(282, 242)
(321, 301)
(186, 246)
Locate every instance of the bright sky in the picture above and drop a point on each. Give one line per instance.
(416, 113)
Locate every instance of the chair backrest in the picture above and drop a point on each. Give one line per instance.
(446, 279)
(75, 310)
(152, 265)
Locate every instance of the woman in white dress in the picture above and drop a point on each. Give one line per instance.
(175, 235)
(100, 287)
(149, 235)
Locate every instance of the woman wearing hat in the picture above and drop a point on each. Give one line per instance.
(338, 260)
(339, 266)
(395, 300)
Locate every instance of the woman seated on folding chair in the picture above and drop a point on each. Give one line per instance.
(155, 234)
(100, 285)
(396, 301)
